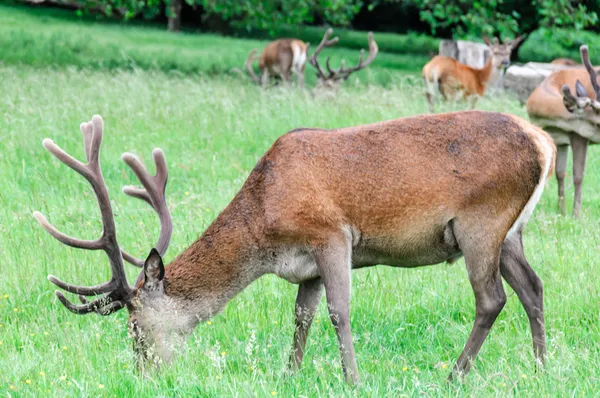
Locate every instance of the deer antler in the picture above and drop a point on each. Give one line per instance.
(582, 100)
(153, 193)
(248, 66)
(325, 42)
(341, 73)
(118, 289)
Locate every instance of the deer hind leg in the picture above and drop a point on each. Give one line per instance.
(482, 261)
(301, 77)
(579, 146)
(334, 264)
(471, 100)
(264, 77)
(430, 93)
(529, 288)
(307, 301)
(561, 172)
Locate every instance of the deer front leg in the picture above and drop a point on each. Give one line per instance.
(579, 146)
(561, 172)
(307, 301)
(334, 263)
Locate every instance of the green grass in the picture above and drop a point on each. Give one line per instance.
(48, 38)
(409, 326)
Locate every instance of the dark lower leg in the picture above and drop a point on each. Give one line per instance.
(489, 301)
(561, 168)
(429, 97)
(307, 301)
(529, 288)
(579, 146)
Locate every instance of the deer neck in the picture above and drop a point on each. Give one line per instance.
(218, 265)
(483, 75)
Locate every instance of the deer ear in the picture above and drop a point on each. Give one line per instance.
(154, 270)
(487, 41)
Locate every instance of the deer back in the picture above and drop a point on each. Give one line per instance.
(415, 172)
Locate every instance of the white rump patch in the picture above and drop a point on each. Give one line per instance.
(299, 57)
(433, 84)
(546, 148)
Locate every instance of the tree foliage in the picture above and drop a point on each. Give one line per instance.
(269, 14)
(504, 18)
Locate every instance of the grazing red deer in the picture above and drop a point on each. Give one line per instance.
(333, 77)
(570, 120)
(451, 78)
(564, 61)
(407, 192)
(281, 58)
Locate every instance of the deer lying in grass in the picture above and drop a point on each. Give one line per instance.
(333, 77)
(451, 79)
(279, 58)
(570, 120)
(407, 192)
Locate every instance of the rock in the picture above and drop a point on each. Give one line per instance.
(523, 79)
(469, 53)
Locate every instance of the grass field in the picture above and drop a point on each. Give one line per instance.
(46, 38)
(409, 325)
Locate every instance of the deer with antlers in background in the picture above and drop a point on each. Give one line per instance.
(571, 120)
(333, 77)
(279, 58)
(408, 192)
(450, 78)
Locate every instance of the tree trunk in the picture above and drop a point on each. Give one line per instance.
(174, 15)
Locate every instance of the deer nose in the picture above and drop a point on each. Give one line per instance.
(506, 62)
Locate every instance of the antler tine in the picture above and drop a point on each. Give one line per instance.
(104, 305)
(153, 193)
(84, 290)
(248, 66)
(95, 244)
(585, 57)
(571, 102)
(117, 286)
(373, 50)
(325, 42)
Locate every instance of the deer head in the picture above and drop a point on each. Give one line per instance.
(333, 77)
(582, 100)
(145, 300)
(501, 52)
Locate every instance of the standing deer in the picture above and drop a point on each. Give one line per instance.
(570, 120)
(280, 58)
(408, 192)
(333, 77)
(564, 62)
(452, 79)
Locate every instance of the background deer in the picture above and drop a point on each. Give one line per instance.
(564, 62)
(450, 78)
(407, 192)
(333, 77)
(280, 58)
(570, 120)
